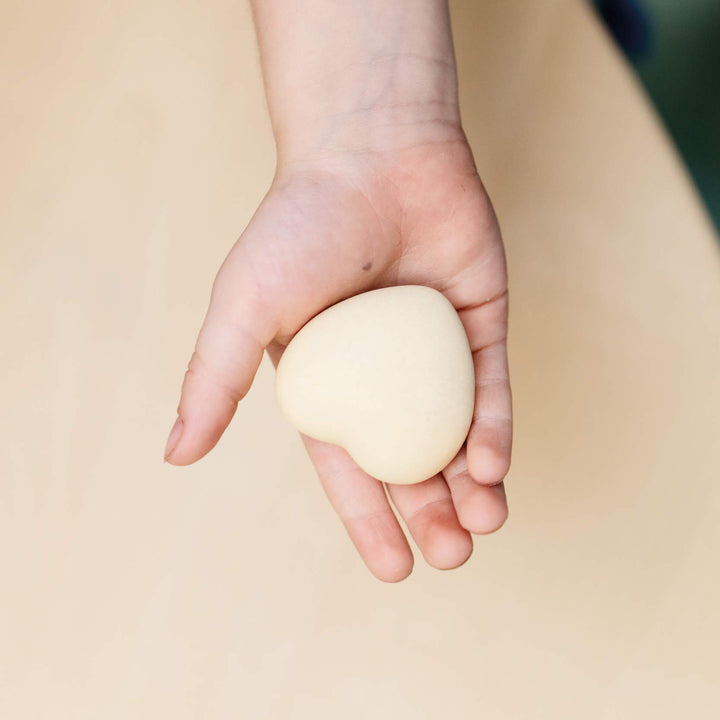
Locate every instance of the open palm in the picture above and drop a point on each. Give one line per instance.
(327, 231)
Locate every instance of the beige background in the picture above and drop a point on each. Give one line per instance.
(135, 146)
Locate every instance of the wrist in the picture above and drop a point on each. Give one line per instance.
(402, 101)
(362, 76)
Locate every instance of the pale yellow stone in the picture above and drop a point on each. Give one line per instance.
(388, 375)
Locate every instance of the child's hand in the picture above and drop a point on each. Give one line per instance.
(334, 228)
(375, 186)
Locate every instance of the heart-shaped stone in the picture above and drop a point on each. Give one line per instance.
(388, 375)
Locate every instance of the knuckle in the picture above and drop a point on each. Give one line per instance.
(201, 371)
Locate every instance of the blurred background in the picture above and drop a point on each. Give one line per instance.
(675, 48)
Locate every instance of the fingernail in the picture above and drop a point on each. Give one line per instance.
(174, 438)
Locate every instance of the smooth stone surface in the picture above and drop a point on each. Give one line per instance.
(388, 375)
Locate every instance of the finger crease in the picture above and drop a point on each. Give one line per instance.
(491, 381)
(480, 418)
(424, 507)
(483, 303)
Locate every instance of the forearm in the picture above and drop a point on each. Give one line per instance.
(357, 75)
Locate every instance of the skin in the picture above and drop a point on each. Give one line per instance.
(375, 186)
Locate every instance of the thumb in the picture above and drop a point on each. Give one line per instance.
(238, 326)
